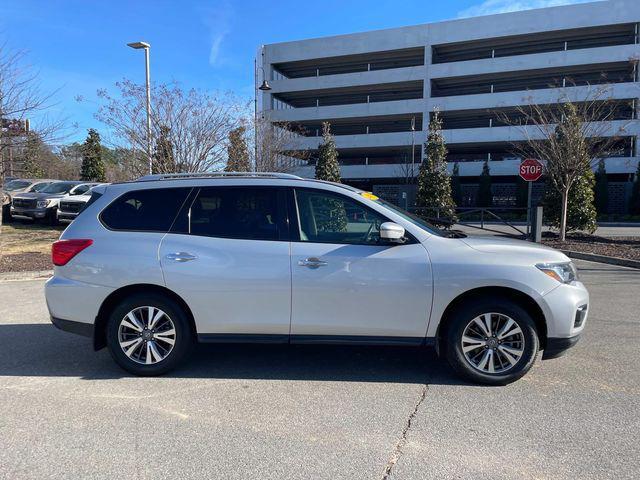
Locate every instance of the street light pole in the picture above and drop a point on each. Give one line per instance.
(265, 87)
(413, 148)
(146, 47)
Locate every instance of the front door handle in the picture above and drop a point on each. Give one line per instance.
(180, 256)
(312, 262)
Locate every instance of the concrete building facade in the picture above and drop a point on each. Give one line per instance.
(378, 89)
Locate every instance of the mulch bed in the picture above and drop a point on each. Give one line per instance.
(25, 262)
(620, 247)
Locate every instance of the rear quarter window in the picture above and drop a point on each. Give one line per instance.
(151, 210)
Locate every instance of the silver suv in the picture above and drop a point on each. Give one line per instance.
(151, 266)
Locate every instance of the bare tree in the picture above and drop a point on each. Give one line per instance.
(22, 99)
(568, 137)
(279, 147)
(195, 123)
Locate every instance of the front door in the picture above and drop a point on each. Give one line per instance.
(228, 258)
(346, 284)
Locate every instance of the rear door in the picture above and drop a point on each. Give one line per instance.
(227, 256)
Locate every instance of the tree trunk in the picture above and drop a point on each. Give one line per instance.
(563, 215)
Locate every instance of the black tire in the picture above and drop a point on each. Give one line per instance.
(467, 313)
(184, 337)
(52, 217)
(6, 214)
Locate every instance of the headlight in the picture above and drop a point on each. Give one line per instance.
(562, 272)
(43, 203)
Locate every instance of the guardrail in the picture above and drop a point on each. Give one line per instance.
(465, 215)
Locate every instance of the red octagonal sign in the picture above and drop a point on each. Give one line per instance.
(530, 170)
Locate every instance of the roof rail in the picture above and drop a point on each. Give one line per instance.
(186, 176)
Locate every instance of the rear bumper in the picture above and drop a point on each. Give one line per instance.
(74, 301)
(79, 328)
(557, 347)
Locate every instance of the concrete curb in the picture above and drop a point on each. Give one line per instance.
(592, 257)
(18, 276)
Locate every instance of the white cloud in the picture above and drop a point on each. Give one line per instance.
(218, 21)
(489, 7)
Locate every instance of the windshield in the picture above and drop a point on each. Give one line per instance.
(59, 187)
(80, 189)
(410, 217)
(14, 185)
(40, 186)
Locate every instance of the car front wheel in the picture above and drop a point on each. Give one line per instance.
(148, 334)
(492, 341)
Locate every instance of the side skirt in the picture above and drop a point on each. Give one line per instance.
(315, 339)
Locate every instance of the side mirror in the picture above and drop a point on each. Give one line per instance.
(392, 232)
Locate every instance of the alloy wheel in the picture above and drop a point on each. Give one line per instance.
(492, 343)
(146, 335)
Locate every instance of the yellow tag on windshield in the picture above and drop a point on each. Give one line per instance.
(369, 195)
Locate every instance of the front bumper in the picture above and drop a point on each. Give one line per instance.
(29, 212)
(66, 215)
(556, 347)
(566, 309)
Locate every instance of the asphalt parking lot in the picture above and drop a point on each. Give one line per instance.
(244, 412)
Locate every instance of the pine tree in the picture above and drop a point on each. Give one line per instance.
(634, 203)
(327, 167)
(581, 210)
(332, 216)
(456, 186)
(238, 151)
(31, 166)
(163, 159)
(92, 169)
(485, 195)
(601, 189)
(434, 183)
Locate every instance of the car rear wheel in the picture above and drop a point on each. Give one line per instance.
(148, 334)
(492, 341)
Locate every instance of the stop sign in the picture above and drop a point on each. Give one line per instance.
(530, 170)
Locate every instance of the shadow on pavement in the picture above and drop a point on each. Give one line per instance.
(41, 350)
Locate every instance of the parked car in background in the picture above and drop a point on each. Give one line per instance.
(16, 186)
(150, 266)
(43, 205)
(70, 207)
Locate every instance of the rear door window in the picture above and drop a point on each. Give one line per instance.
(151, 210)
(249, 213)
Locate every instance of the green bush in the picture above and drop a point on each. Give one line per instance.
(581, 211)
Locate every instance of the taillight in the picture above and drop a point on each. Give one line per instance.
(64, 250)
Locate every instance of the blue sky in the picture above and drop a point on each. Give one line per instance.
(80, 46)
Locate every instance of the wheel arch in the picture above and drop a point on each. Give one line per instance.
(516, 296)
(115, 297)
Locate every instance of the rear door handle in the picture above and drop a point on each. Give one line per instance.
(180, 257)
(312, 262)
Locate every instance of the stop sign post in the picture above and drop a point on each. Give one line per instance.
(530, 170)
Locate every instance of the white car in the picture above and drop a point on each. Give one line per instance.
(70, 207)
(153, 265)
